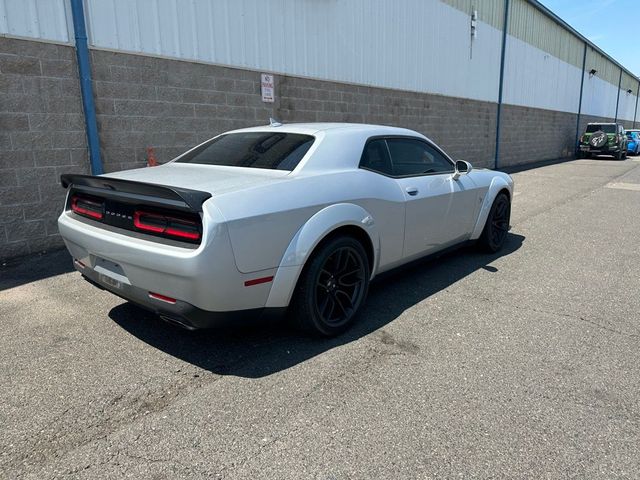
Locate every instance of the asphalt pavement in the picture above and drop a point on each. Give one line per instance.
(523, 364)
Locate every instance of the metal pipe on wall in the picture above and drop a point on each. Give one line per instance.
(86, 86)
(635, 113)
(505, 28)
(618, 99)
(584, 64)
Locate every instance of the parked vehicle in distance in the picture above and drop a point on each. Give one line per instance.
(258, 220)
(603, 139)
(633, 142)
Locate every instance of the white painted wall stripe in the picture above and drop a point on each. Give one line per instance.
(419, 45)
(38, 19)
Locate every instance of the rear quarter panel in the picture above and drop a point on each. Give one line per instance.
(262, 221)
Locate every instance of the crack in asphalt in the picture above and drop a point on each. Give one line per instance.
(557, 314)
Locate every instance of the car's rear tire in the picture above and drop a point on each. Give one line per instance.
(497, 225)
(332, 287)
(618, 156)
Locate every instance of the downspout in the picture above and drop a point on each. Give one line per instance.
(635, 113)
(500, 87)
(584, 62)
(618, 99)
(86, 86)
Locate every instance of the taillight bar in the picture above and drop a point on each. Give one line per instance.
(166, 225)
(88, 207)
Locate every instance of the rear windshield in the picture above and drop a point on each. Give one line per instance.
(275, 151)
(604, 128)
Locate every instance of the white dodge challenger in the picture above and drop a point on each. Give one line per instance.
(260, 220)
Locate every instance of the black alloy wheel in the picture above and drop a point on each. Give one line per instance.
(497, 226)
(332, 287)
(339, 286)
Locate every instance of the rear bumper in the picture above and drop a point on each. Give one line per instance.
(203, 279)
(180, 313)
(602, 150)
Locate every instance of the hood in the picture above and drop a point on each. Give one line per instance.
(209, 178)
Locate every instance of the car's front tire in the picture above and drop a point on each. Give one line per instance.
(497, 226)
(332, 287)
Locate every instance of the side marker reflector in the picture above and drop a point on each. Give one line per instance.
(162, 298)
(258, 281)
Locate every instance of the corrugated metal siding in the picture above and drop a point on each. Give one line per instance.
(530, 25)
(489, 11)
(535, 78)
(420, 45)
(628, 83)
(39, 19)
(605, 68)
(599, 97)
(627, 107)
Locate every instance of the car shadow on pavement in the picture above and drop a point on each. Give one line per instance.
(259, 351)
(33, 268)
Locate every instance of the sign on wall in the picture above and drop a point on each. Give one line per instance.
(267, 87)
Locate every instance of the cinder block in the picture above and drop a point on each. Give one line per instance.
(19, 195)
(19, 64)
(11, 84)
(13, 122)
(8, 178)
(16, 159)
(58, 68)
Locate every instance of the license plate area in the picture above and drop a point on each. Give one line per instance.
(112, 282)
(110, 273)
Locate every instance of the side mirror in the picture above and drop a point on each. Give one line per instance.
(462, 168)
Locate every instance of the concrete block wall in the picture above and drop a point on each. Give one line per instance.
(531, 135)
(168, 104)
(41, 136)
(172, 105)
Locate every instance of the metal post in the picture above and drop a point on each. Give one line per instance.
(500, 87)
(635, 113)
(618, 99)
(86, 86)
(584, 63)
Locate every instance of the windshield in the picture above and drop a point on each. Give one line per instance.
(275, 151)
(604, 128)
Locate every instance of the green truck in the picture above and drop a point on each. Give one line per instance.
(603, 139)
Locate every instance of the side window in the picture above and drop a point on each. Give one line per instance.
(413, 157)
(375, 157)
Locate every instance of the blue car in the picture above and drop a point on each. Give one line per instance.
(633, 142)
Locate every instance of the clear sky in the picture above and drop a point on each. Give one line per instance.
(613, 25)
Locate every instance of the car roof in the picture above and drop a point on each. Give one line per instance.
(315, 127)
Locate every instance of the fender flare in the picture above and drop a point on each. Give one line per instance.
(307, 239)
(497, 184)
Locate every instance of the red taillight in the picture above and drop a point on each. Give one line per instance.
(87, 207)
(166, 225)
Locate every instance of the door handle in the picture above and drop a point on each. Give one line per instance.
(413, 191)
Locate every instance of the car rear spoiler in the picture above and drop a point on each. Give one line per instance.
(129, 191)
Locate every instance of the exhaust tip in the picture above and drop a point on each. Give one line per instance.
(178, 322)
